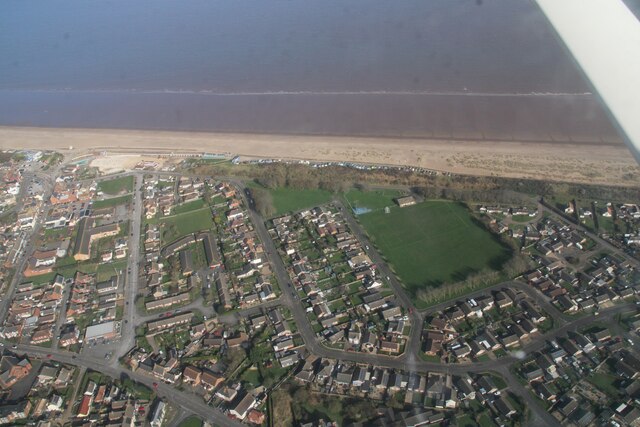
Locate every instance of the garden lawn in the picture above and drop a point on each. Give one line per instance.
(605, 382)
(188, 206)
(465, 421)
(433, 242)
(485, 421)
(116, 186)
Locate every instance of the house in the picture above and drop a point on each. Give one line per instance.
(169, 322)
(325, 372)
(182, 298)
(210, 381)
(186, 262)
(47, 374)
(192, 375)
(13, 370)
(243, 407)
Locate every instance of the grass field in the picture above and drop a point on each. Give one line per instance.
(433, 242)
(191, 422)
(179, 225)
(114, 201)
(290, 200)
(373, 200)
(287, 199)
(116, 186)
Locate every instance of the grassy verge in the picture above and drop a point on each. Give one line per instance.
(117, 185)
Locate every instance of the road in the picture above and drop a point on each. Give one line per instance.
(47, 187)
(132, 275)
(414, 341)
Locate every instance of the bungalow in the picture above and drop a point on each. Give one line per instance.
(389, 347)
(602, 335)
(289, 360)
(461, 351)
(571, 348)
(533, 374)
(587, 304)
(335, 336)
(504, 407)
(283, 345)
(486, 385)
(375, 305)
(344, 378)
(509, 340)
(566, 304)
(455, 315)
(432, 347)
(391, 313)
(545, 392)
(85, 407)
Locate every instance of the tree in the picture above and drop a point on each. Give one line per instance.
(263, 201)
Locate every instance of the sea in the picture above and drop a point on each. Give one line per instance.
(453, 69)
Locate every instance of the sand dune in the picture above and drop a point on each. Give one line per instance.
(575, 162)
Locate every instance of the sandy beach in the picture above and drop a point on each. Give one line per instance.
(562, 161)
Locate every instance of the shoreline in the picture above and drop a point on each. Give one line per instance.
(579, 162)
